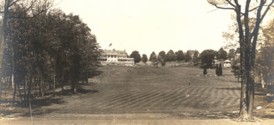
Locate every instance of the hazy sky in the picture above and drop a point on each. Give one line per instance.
(152, 25)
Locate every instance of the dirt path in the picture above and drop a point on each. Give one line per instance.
(87, 121)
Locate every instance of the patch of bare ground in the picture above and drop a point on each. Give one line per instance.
(264, 104)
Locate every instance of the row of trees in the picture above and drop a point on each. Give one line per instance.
(164, 57)
(44, 48)
(205, 58)
(208, 56)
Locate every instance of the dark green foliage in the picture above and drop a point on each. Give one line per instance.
(162, 58)
(231, 53)
(204, 71)
(180, 55)
(153, 59)
(188, 56)
(49, 49)
(222, 54)
(196, 57)
(207, 57)
(219, 70)
(170, 56)
(144, 58)
(137, 57)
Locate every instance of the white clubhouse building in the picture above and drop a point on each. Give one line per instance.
(115, 57)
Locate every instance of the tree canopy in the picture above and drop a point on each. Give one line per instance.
(222, 54)
(188, 55)
(136, 55)
(207, 57)
(49, 46)
(144, 58)
(170, 56)
(249, 16)
(180, 55)
(162, 58)
(231, 53)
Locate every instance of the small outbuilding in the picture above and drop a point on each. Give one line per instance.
(227, 63)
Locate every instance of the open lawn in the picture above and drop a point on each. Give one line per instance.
(147, 93)
(176, 91)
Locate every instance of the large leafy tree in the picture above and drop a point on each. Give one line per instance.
(231, 54)
(248, 31)
(207, 57)
(195, 57)
(153, 58)
(162, 58)
(180, 55)
(170, 56)
(188, 56)
(136, 55)
(265, 58)
(19, 34)
(222, 54)
(144, 58)
(8, 13)
(48, 49)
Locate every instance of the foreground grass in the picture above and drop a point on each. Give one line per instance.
(165, 92)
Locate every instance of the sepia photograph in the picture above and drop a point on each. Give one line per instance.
(136, 62)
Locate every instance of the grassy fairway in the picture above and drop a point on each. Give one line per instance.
(171, 90)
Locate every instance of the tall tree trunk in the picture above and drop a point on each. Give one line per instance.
(5, 87)
(25, 90)
(1, 84)
(29, 96)
(40, 85)
(14, 93)
(54, 79)
(12, 80)
(3, 35)
(19, 90)
(243, 108)
(41, 88)
(13, 87)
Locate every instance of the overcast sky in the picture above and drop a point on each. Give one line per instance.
(152, 25)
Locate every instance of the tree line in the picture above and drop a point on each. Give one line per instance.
(164, 57)
(44, 48)
(206, 57)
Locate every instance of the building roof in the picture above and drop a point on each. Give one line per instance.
(227, 61)
(114, 52)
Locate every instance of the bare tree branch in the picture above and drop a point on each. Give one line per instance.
(266, 10)
(253, 9)
(219, 7)
(246, 22)
(12, 3)
(270, 5)
(259, 17)
(230, 3)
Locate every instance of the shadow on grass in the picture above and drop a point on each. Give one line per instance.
(21, 109)
(68, 92)
(268, 116)
(206, 115)
(86, 91)
(39, 112)
(38, 103)
(231, 88)
(264, 115)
